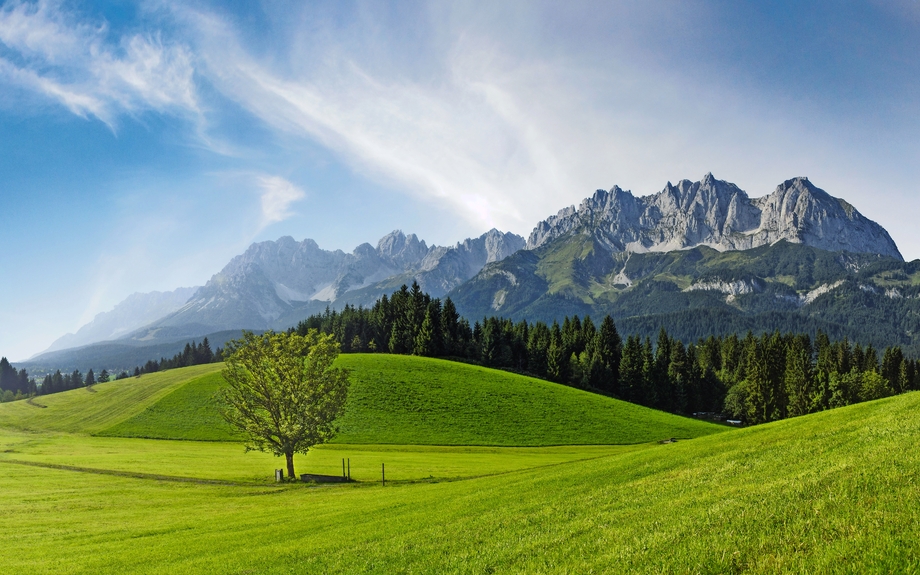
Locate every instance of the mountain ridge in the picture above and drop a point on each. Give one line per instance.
(576, 261)
(135, 311)
(272, 282)
(719, 215)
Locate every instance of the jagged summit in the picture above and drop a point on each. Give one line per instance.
(272, 280)
(720, 215)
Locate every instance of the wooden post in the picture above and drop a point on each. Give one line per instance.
(343, 468)
(349, 469)
(383, 475)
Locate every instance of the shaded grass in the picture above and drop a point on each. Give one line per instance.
(189, 412)
(835, 492)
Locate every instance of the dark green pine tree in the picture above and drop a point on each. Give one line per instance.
(858, 358)
(870, 363)
(824, 366)
(661, 393)
(892, 359)
(206, 355)
(679, 374)
(57, 382)
(799, 377)
(450, 328)
(538, 348)
(758, 382)
(589, 336)
(103, 376)
(649, 384)
(424, 340)
(631, 367)
(775, 354)
(556, 358)
(9, 379)
(90, 378)
(610, 348)
(418, 303)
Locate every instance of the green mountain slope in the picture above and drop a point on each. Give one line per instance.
(700, 291)
(411, 400)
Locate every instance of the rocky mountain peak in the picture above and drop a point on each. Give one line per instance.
(400, 248)
(499, 245)
(720, 215)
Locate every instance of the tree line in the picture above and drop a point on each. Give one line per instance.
(16, 385)
(753, 378)
(192, 354)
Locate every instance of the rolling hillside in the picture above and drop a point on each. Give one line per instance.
(833, 492)
(418, 401)
(90, 410)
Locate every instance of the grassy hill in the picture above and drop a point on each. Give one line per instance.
(189, 412)
(419, 401)
(90, 410)
(833, 492)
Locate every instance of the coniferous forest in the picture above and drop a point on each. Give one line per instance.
(754, 378)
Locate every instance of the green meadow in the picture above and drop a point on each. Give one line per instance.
(488, 472)
(412, 401)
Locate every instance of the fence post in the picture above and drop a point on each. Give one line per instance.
(383, 475)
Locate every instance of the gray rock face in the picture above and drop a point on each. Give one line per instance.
(720, 215)
(135, 311)
(272, 279)
(443, 269)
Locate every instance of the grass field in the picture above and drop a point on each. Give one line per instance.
(228, 462)
(408, 400)
(834, 492)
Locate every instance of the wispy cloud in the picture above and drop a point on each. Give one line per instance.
(52, 52)
(500, 135)
(277, 196)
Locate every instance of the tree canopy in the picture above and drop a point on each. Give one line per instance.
(283, 392)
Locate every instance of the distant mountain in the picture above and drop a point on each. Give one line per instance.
(698, 257)
(136, 311)
(702, 258)
(274, 284)
(719, 215)
(117, 356)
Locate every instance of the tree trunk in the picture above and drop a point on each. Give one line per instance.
(290, 464)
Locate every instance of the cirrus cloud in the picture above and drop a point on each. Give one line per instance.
(49, 50)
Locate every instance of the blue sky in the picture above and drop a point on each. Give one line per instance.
(142, 145)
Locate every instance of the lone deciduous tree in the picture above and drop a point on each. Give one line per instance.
(283, 392)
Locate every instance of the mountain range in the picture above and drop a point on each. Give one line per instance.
(696, 256)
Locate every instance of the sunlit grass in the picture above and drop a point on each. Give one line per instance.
(409, 400)
(834, 492)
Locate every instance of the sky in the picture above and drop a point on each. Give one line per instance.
(144, 144)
